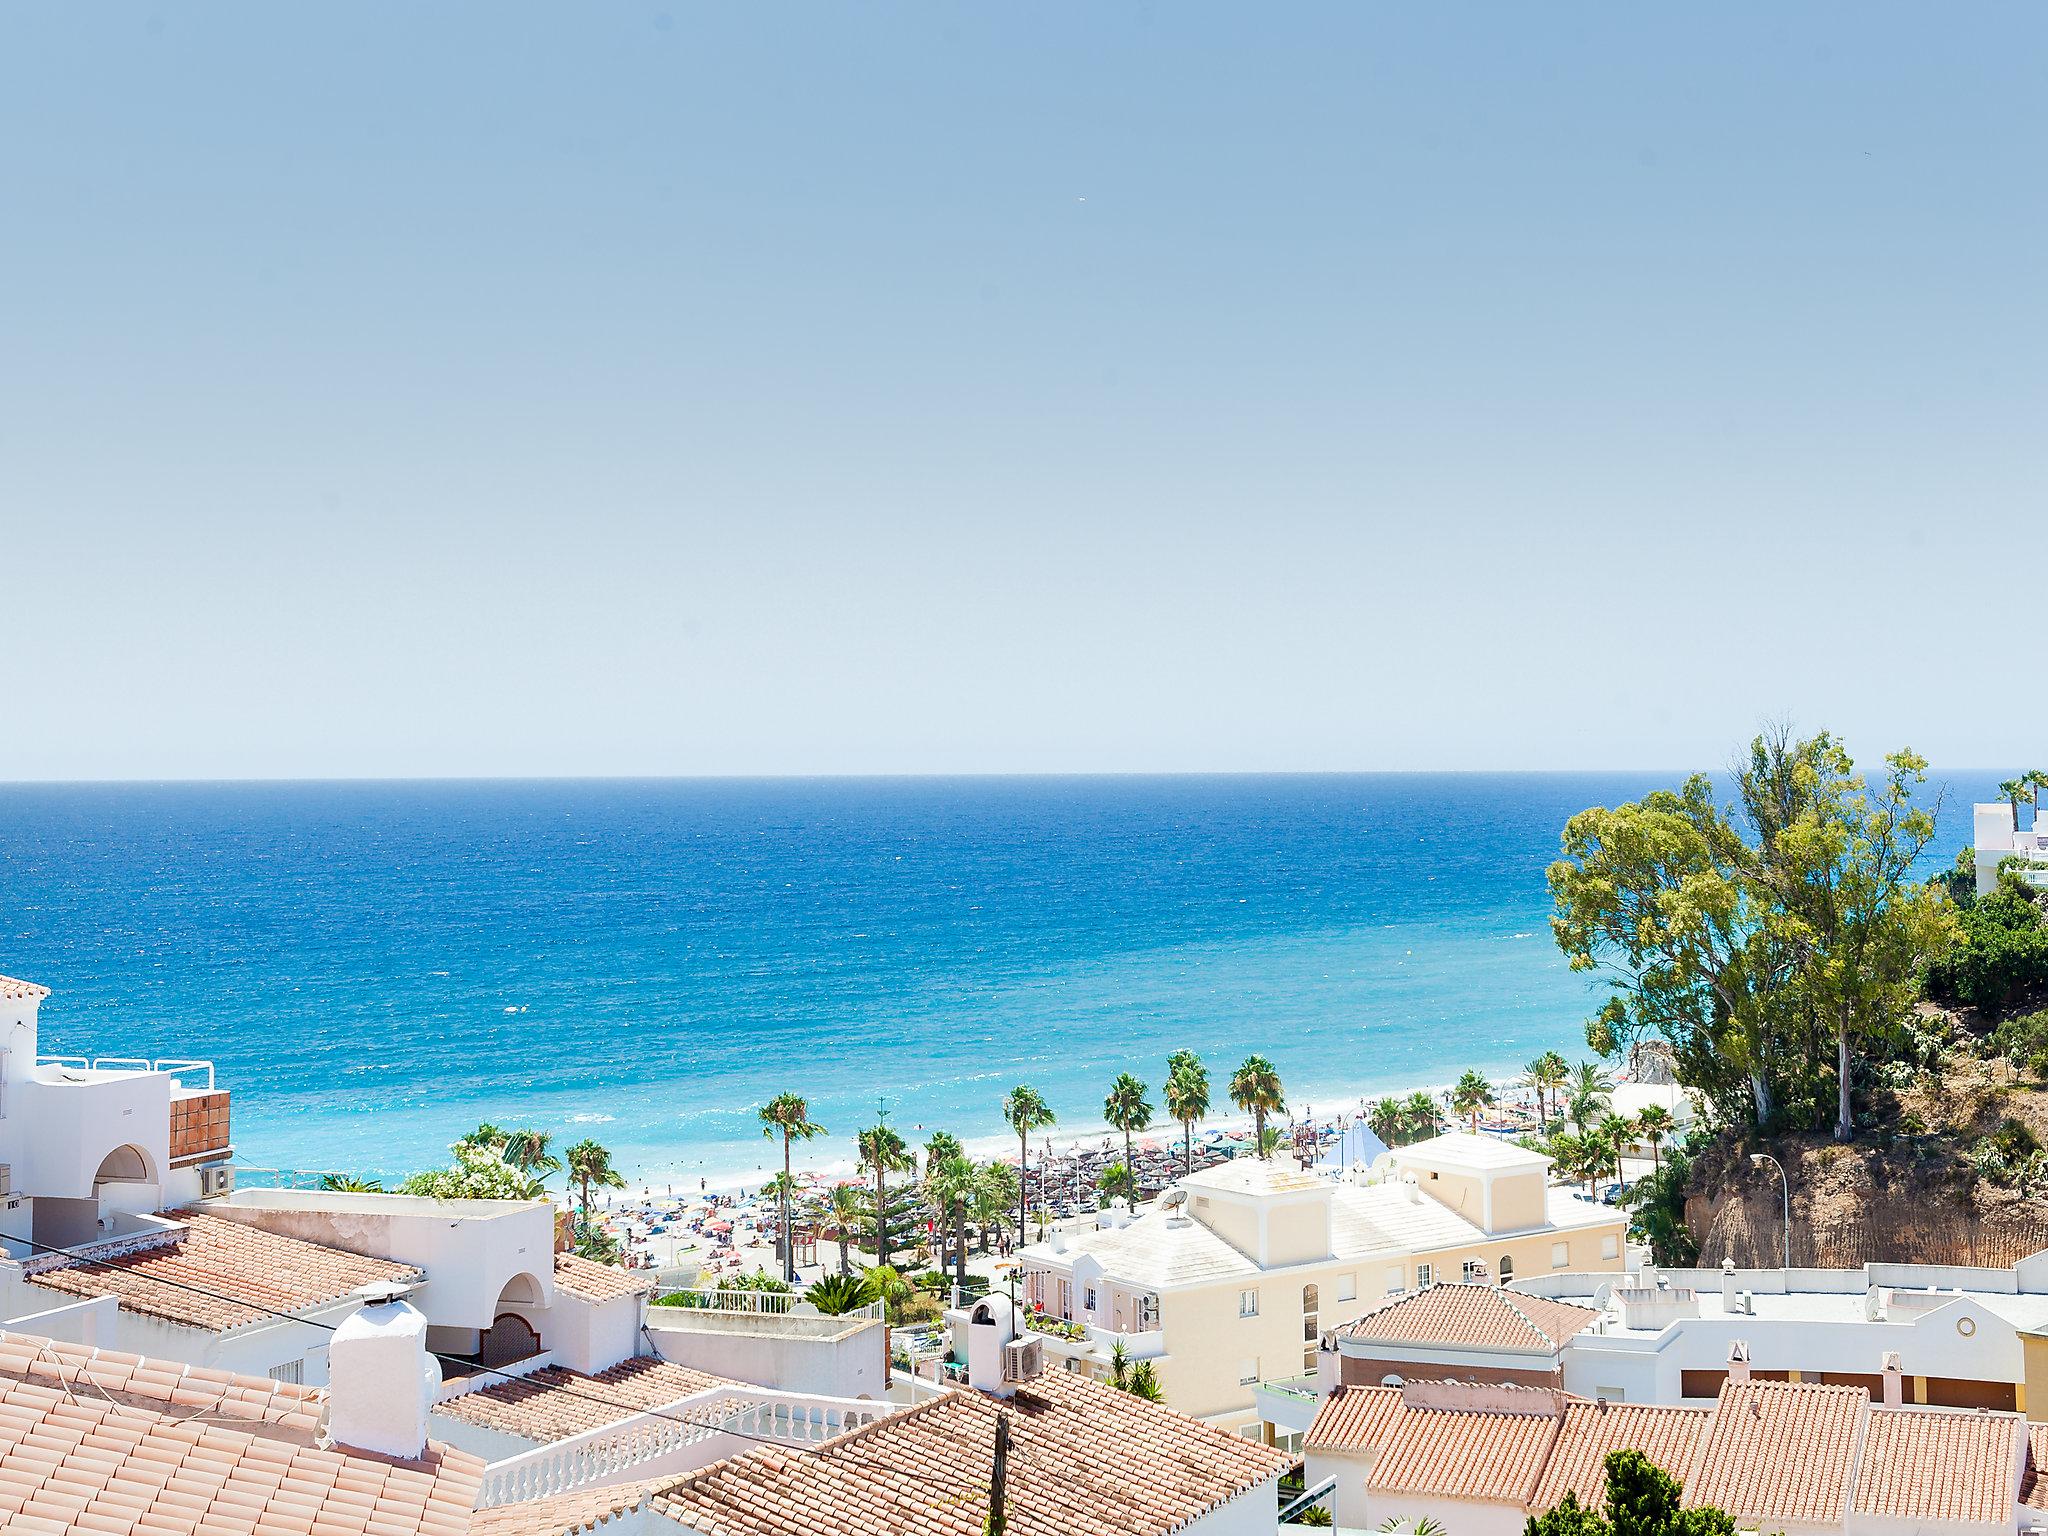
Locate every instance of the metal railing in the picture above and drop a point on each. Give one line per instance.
(751, 1303)
(177, 1066)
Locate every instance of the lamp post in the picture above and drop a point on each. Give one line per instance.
(1757, 1160)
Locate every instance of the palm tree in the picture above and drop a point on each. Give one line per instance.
(951, 1183)
(1119, 1363)
(1026, 1112)
(2037, 783)
(1472, 1094)
(882, 1153)
(486, 1137)
(1591, 1092)
(590, 1167)
(845, 1205)
(1187, 1099)
(1127, 1109)
(787, 1115)
(1555, 1073)
(1576, 1157)
(2019, 791)
(1423, 1116)
(1614, 1133)
(351, 1184)
(1255, 1088)
(995, 1186)
(528, 1151)
(1117, 1179)
(836, 1295)
(1653, 1124)
(1144, 1382)
(1387, 1120)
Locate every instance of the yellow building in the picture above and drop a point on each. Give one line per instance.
(1229, 1278)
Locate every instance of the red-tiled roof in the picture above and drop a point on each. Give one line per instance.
(1924, 1466)
(554, 1402)
(592, 1281)
(94, 1441)
(1083, 1458)
(21, 991)
(2034, 1485)
(283, 1274)
(1578, 1461)
(1780, 1451)
(1466, 1453)
(1354, 1419)
(1473, 1317)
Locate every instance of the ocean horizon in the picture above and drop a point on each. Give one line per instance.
(376, 966)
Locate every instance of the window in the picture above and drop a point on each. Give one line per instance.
(1560, 1255)
(1474, 1270)
(1396, 1282)
(1347, 1287)
(1507, 1268)
(1251, 1431)
(1610, 1247)
(1311, 1304)
(1247, 1303)
(1088, 1299)
(1425, 1276)
(1067, 1301)
(1247, 1372)
(293, 1371)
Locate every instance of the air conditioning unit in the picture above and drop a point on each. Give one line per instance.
(217, 1181)
(1023, 1359)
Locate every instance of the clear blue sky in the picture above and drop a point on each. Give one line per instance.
(491, 388)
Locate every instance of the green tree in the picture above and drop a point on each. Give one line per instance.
(1026, 1112)
(1642, 1500)
(1187, 1100)
(1653, 1123)
(1549, 1072)
(788, 1115)
(995, 1193)
(847, 1208)
(351, 1184)
(1388, 1121)
(2018, 791)
(1614, 1133)
(1128, 1110)
(1842, 874)
(1255, 1089)
(1472, 1094)
(1577, 1157)
(530, 1151)
(1424, 1116)
(590, 1167)
(836, 1295)
(487, 1138)
(952, 1183)
(1117, 1180)
(1144, 1382)
(1591, 1091)
(882, 1153)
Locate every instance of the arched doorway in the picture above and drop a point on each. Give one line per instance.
(511, 1337)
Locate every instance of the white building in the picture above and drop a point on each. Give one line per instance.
(1965, 1337)
(1998, 837)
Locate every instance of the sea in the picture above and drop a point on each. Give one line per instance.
(375, 967)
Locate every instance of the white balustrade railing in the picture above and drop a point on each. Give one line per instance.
(616, 1452)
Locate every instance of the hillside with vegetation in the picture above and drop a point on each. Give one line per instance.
(1881, 1033)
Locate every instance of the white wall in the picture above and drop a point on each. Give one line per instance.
(1255, 1512)
(470, 1249)
(1460, 1517)
(756, 1350)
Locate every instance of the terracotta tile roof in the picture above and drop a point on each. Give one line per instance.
(1354, 1419)
(1926, 1466)
(284, 1274)
(592, 1281)
(1473, 1317)
(1083, 1458)
(567, 1514)
(1780, 1451)
(2034, 1483)
(1464, 1453)
(21, 991)
(555, 1402)
(93, 1441)
(1578, 1461)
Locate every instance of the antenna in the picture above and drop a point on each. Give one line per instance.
(998, 1511)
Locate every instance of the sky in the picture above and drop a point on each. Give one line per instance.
(507, 389)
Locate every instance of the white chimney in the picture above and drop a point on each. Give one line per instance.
(1894, 1380)
(1738, 1362)
(1059, 1240)
(1728, 1286)
(381, 1381)
(990, 1327)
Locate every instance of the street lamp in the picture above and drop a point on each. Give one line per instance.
(1757, 1160)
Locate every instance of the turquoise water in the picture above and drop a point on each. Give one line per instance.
(375, 967)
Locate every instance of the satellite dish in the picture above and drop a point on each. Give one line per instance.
(1173, 1199)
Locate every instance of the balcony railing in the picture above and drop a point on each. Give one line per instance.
(613, 1453)
(755, 1303)
(177, 1066)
